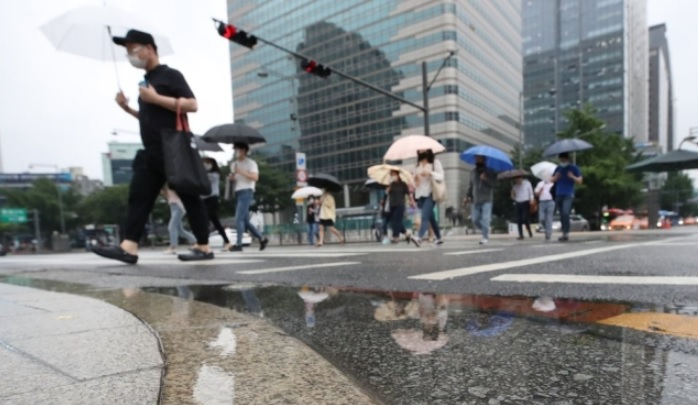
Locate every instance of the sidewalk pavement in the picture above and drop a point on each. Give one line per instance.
(68, 349)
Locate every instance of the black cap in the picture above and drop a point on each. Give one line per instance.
(136, 37)
(564, 155)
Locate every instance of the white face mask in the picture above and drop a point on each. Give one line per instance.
(137, 62)
(394, 178)
(208, 166)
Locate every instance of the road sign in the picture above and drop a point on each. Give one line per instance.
(13, 216)
(300, 161)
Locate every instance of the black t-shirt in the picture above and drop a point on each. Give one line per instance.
(153, 118)
(398, 192)
(310, 216)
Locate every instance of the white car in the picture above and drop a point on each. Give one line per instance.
(215, 240)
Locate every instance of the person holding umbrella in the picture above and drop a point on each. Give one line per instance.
(481, 194)
(565, 177)
(522, 194)
(310, 218)
(163, 92)
(211, 201)
(546, 205)
(428, 169)
(328, 216)
(245, 173)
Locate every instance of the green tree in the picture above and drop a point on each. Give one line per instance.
(107, 206)
(606, 182)
(676, 193)
(43, 196)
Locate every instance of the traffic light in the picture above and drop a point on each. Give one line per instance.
(315, 68)
(238, 36)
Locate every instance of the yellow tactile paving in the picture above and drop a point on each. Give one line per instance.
(667, 324)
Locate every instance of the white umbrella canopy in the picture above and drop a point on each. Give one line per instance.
(381, 174)
(84, 31)
(407, 147)
(305, 192)
(543, 170)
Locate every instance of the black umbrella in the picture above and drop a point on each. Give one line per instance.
(234, 133)
(206, 146)
(512, 174)
(326, 181)
(669, 162)
(566, 146)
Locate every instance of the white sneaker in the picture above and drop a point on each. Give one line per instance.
(483, 241)
(386, 241)
(438, 242)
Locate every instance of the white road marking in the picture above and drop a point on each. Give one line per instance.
(467, 271)
(293, 268)
(296, 255)
(569, 278)
(472, 252)
(677, 244)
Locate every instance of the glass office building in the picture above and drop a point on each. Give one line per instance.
(585, 51)
(343, 128)
(661, 112)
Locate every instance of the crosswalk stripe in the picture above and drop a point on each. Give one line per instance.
(472, 252)
(293, 268)
(467, 271)
(597, 279)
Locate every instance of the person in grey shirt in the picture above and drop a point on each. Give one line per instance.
(212, 201)
(480, 194)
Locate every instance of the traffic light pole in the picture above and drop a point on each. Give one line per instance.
(425, 96)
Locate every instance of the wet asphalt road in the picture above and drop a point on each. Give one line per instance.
(482, 338)
(473, 269)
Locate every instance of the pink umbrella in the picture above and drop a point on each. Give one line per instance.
(407, 147)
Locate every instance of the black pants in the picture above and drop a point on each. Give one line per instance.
(212, 204)
(146, 184)
(523, 217)
(396, 216)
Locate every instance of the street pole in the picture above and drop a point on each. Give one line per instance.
(37, 230)
(425, 96)
(521, 136)
(60, 208)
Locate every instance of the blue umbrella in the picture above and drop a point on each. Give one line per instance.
(566, 146)
(495, 159)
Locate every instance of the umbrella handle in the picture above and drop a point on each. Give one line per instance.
(113, 55)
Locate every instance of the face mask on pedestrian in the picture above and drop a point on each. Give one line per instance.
(135, 61)
(208, 166)
(394, 178)
(564, 164)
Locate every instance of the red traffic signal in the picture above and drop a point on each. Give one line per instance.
(235, 35)
(315, 68)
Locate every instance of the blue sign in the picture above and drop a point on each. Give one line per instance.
(24, 178)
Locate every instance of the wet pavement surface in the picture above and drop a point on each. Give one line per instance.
(387, 337)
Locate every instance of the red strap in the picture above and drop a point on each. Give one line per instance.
(182, 121)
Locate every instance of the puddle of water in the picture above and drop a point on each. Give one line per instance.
(417, 348)
(411, 347)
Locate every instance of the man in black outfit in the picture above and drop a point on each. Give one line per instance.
(160, 93)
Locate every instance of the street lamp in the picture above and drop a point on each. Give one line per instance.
(293, 100)
(426, 87)
(58, 189)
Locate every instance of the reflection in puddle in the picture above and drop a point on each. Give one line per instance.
(214, 386)
(415, 348)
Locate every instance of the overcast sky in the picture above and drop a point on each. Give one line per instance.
(56, 108)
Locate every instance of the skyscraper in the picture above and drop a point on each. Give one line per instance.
(585, 51)
(661, 103)
(344, 128)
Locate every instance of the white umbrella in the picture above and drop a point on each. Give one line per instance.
(543, 170)
(381, 174)
(407, 147)
(87, 31)
(305, 192)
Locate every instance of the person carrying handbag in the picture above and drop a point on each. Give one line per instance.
(163, 92)
(427, 173)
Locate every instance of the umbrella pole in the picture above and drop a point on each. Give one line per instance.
(113, 55)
